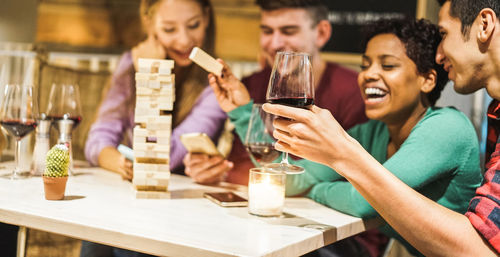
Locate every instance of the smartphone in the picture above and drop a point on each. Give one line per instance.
(126, 151)
(226, 199)
(199, 143)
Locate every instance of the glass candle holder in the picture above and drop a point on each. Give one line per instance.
(266, 192)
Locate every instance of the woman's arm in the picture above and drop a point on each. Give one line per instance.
(433, 229)
(205, 117)
(114, 116)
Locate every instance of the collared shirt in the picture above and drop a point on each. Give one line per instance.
(484, 208)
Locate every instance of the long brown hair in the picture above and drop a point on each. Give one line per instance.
(191, 80)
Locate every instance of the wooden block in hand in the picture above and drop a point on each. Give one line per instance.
(206, 61)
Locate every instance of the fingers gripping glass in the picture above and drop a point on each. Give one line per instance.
(291, 84)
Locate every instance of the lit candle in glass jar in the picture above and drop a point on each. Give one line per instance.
(266, 192)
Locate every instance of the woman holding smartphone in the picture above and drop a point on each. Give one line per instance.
(174, 28)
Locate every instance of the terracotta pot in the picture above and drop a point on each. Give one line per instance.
(54, 187)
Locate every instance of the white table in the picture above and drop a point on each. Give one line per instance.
(99, 206)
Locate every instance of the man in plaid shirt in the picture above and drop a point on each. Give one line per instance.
(470, 52)
(484, 208)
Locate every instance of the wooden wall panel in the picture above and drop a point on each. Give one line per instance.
(113, 25)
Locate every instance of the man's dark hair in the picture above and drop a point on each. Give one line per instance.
(421, 40)
(467, 10)
(316, 8)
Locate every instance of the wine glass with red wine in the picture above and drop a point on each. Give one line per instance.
(64, 99)
(259, 141)
(18, 115)
(291, 84)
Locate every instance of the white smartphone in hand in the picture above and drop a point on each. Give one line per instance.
(199, 143)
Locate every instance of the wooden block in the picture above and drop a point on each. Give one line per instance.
(159, 141)
(153, 107)
(155, 182)
(155, 66)
(151, 156)
(139, 131)
(151, 160)
(140, 172)
(151, 194)
(205, 61)
(154, 122)
(151, 169)
(145, 114)
(152, 147)
(151, 188)
(144, 100)
(154, 81)
(162, 91)
(141, 136)
(168, 79)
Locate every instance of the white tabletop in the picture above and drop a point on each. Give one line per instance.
(99, 206)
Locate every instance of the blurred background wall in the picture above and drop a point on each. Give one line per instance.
(18, 20)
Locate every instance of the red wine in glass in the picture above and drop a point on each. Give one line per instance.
(263, 152)
(18, 114)
(291, 83)
(64, 99)
(300, 102)
(17, 128)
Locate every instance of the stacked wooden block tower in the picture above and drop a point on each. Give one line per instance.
(155, 96)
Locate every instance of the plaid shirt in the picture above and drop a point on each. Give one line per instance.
(484, 208)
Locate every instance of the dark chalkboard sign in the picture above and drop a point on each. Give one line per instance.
(348, 17)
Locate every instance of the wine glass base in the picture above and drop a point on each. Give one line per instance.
(285, 168)
(17, 175)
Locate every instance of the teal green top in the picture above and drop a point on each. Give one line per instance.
(440, 159)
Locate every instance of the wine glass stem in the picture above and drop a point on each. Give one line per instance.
(284, 160)
(17, 156)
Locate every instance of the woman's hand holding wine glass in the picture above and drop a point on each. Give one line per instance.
(291, 84)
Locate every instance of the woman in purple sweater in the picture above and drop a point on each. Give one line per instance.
(173, 28)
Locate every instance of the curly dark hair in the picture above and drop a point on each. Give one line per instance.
(421, 40)
(467, 10)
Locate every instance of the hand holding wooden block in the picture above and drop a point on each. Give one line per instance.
(206, 61)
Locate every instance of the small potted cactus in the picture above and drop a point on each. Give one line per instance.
(55, 175)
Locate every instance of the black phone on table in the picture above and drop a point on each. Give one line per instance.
(226, 199)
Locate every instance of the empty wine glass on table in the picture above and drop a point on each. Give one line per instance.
(64, 104)
(259, 141)
(18, 114)
(291, 84)
(64, 99)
